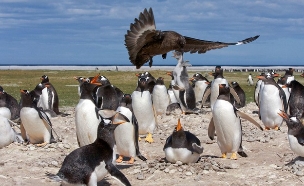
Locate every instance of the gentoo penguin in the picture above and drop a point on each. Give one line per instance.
(7, 133)
(106, 95)
(49, 98)
(250, 80)
(199, 83)
(80, 81)
(257, 89)
(160, 97)
(186, 96)
(295, 133)
(283, 81)
(296, 99)
(86, 116)
(143, 109)
(6, 100)
(171, 91)
(89, 164)
(214, 90)
(143, 41)
(149, 78)
(227, 124)
(272, 99)
(182, 146)
(240, 92)
(126, 135)
(35, 121)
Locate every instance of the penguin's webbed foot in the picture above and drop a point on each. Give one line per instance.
(233, 156)
(276, 128)
(224, 155)
(149, 138)
(42, 144)
(131, 161)
(119, 159)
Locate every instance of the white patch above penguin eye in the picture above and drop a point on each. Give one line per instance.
(147, 78)
(146, 73)
(102, 78)
(294, 119)
(107, 121)
(88, 80)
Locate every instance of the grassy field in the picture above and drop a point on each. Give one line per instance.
(14, 80)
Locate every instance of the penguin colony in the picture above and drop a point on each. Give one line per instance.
(109, 122)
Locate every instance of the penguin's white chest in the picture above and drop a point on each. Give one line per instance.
(98, 174)
(125, 139)
(160, 99)
(227, 126)
(86, 122)
(199, 89)
(143, 111)
(270, 105)
(295, 146)
(181, 154)
(36, 128)
(5, 112)
(7, 134)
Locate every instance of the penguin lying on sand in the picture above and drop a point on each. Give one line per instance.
(227, 124)
(91, 163)
(182, 146)
(295, 133)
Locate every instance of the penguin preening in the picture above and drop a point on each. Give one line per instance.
(182, 146)
(295, 133)
(91, 163)
(126, 135)
(227, 124)
(143, 41)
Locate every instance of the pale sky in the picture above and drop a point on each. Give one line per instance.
(92, 32)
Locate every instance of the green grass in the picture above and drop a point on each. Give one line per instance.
(14, 80)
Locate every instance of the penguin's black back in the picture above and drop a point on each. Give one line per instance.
(296, 99)
(182, 139)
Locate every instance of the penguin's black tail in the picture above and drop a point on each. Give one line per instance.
(141, 157)
(53, 177)
(242, 153)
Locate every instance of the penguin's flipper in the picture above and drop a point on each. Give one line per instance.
(283, 97)
(176, 87)
(117, 174)
(247, 117)
(206, 94)
(235, 95)
(300, 138)
(211, 129)
(136, 136)
(198, 149)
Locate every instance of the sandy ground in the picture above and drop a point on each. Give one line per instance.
(270, 160)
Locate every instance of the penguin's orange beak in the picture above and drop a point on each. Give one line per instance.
(283, 115)
(276, 75)
(211, 73)
(260, 77)
(137, 75)
(94, 80)
(169, 73)
(191, 79)
(179, 125)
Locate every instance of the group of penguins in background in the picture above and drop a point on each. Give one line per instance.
(109, 122)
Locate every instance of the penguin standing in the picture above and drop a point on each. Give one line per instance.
(143, 109)
(126, 135)
(286, 79)
(106, 95)
(296, 99)
(171, 91)
(49, 98)
(272, 99)
(160, 97)
(35, 121)
(200, 84)
(6, 100)
(86, 115)
(257, 89)
(250, 80)
(227, 124)
(182, 146)
(91, 163)
(295, 133)
(80, 81)
(241, 94)
(186, 96)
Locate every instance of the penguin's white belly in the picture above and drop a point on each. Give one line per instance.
(199, 90)
(181, 154)
(125, 139)
(215, 90)
(160, 99)
(295, 146)
(227, 126)
(7, 134)
(143, 111)
(37, 129)
(5, 112)
(99, 173)
(172, 96)
(270, 105)
(257, 91)
(86, 122)
(43, 101)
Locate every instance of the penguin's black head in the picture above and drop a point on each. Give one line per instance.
(1, 90)
(126, 101)
(224, 89)
(293, 123)
(160, 81)
(234, 84)
(44, 79)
